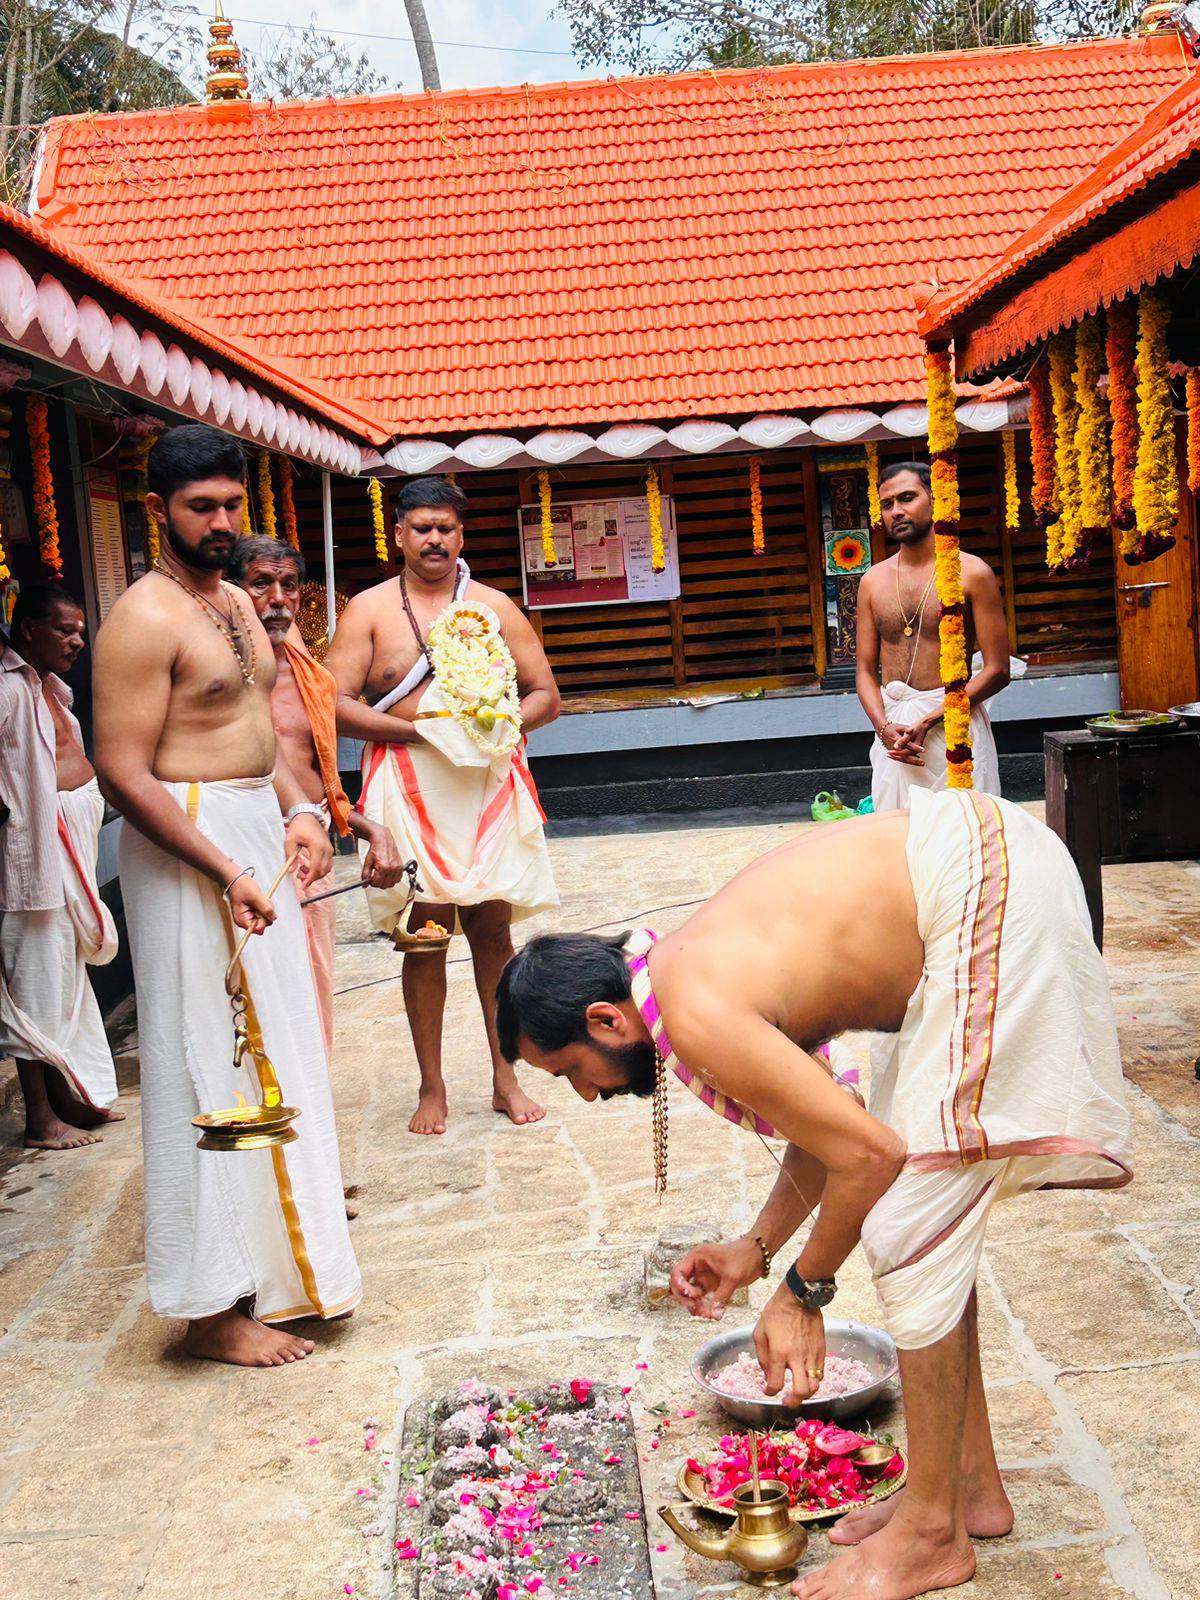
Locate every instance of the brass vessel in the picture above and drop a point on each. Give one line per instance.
(764, 1541)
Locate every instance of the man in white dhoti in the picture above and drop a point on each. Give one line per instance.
(53, 924)
(898, 674)
(960, 929)
(463, 805)
(238, 1241)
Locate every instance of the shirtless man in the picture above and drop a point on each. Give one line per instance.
(958, 927)
(186, 752)
(52, 922)
(477, 840)
(303, 712)
(899, 677)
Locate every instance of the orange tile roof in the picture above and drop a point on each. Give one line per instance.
(704, 244)
(1157, 148)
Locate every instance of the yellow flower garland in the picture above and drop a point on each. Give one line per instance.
(546, 501)
(874, 509)
(375, 494)
(43, 483)
(266, 496)
(1012, 492)
(1064, 540)
(1121, 352)
(756, 511)
(287, 503)
(1155, 480)
(1091, 438)
(658, 558)
(475, 671)
(141, 467)
(952, 643)
(247, 514)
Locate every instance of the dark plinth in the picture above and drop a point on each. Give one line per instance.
(1121, 800)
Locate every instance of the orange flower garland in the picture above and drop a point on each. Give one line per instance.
(874, 509)
(266, 495)
(658, 557)
(1193, 431)
(1155, 478)
(1041, 445)
(1012, 493)
(287, 503)
(1063, 543)
(247, 515)
(375, 495)
(756, 511)
(1121, 354)
(1091, 439)
(943, 439)
(43, 483)
(549, 555)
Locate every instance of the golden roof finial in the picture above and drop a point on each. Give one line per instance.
(227, 78)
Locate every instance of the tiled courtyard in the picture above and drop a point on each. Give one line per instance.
(515, 1255)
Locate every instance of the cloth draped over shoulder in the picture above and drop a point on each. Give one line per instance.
(318, 692)
(222, 1226)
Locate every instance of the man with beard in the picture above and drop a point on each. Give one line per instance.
(960, 929)
(303, 707)
(53, 924)
(471, 821)
(898, 644)
(186, 752)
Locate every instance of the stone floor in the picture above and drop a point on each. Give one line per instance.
(515, 1255)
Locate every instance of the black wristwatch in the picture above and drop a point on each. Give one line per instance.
(814, 1295)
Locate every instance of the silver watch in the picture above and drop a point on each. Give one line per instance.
(813, 1294)
(306, 808)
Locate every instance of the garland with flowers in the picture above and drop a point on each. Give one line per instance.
(1066, 535)
(545, 500)
(1041, 447)
(43, 483)
(756, 512)
(874, 509)
(1121, 355)
(287, 503)
(375, 495)
(658, 558)
(266, 496)
(475, 671)
(1155, 477)
(247, 513)
(141, 488)
(1091, 439)
(1012, 492)
(1193, 431)
(952, 638)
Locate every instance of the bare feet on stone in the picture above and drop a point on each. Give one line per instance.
(430, 1115)
(899, 1562)
(988, 1515)
(517, 1106)
(52, 1134)
(73, 1112)
(243, 1341)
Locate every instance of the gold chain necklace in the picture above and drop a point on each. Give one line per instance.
(240, 643)
(909, 622)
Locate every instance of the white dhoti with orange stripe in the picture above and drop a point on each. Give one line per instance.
(225, 1226)
(1005, 1075)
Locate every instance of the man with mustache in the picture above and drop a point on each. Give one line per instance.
(53, 924)
(303, 706)
(186, 751)
(898, 648)
(473, 825)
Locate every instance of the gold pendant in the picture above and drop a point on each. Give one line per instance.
(908, 633)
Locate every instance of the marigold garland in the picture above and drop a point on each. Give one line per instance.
(141, 488)
(1193, 431)
(5, 574)
(1012, 492)
(952, 643)
(545, 500)
(247, 515)
(756, 510)
(475, 671)
(1155, 477)
(266, 496)
(1063, 543)
(1091, 439)
(287, 503)
(1041, 446)
(874, 509)
(43, 483)
(375, 494)
(1121, 354)
(658, 558)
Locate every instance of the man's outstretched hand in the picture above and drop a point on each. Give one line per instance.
(787, 1338)
(708, 1275)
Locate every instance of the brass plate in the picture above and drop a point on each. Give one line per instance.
(692, 1485)
(409, 945)
(246, 1119)
(250, 1140)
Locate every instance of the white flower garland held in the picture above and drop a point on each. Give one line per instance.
(475, 671)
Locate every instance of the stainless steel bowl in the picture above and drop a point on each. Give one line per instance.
(854, 1341)
(1190, 713)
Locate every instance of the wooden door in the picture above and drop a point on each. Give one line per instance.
(1156, 624)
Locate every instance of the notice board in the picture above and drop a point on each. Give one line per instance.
(602, 554)
(108, 537)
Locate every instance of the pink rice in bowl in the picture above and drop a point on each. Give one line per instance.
(743, 1379)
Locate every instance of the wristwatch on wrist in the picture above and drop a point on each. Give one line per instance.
(306, 808)
(812, 1295)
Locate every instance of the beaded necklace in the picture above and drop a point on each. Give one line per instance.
(241, 643)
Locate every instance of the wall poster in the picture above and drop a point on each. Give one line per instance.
(602, 554)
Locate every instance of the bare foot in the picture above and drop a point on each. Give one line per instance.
(351, 1210)
(92, 1116)
(430, 1115)
(517, 1105)
(899, 1562)
(55, 1135)
(243, 1341)
(988, 1514)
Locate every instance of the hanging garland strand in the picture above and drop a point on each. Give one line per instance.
(943, 439)
(247, 513)
(546, 502)
(1155, 478)
(375, 494)
(874, 509)
(1041, 446)
(43, 483)
(1066, 463)
(1091, 439)
(141, 488)
(266, 496)
(658, 558)
(1193, 431)
(287, 503)
(756, 511)
(1012, 493)
(1121, 354)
